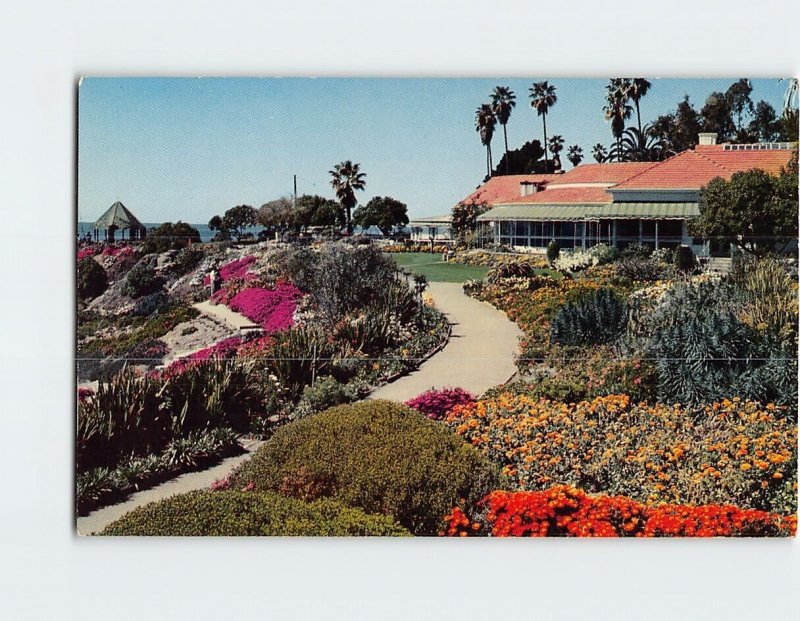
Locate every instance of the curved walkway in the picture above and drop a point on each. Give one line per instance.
(98, 519)
(479, 355)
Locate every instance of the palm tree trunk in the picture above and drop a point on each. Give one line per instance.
(488, 164)
(544, 123)
(491, 163)
(638, 116)
(505, 137)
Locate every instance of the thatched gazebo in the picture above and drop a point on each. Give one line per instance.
(119, 218)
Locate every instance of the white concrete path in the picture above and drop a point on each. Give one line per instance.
(479, 355)
(99, 519)
(223, 313)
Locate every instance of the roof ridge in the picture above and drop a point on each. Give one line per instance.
(717, 164)
(641, 172)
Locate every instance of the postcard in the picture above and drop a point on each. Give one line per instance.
(474, 307)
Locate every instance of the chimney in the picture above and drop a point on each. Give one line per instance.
(707, 139)
(525, 188)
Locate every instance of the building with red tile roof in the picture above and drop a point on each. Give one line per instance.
(618, 203)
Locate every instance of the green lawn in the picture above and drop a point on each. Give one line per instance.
(436, 270)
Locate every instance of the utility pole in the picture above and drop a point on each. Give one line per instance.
(294, 196)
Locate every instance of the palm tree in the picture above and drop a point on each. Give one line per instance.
(575, 155)
(346, 178)
(617, 109)
(599, 153)
(556, 146)
(638, 88)
(543, 97)
(485, 122)
(503, 99)
(639, 146)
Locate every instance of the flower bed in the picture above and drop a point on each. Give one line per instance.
(732, 452)
(435, 404)
(564, 511)
(234, 270)
(272, 309)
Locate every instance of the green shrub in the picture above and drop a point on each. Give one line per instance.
(141, 280)
(92, 279)
(553, 250)
(325, 393)
(598, 318)
(186, 260)
(247, 514)
(604, 253)
(380, 456)
(636, 251)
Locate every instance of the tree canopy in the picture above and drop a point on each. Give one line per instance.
(170, 236)
(754, 210)
(234, 222)
(384, 212)
(523, 161)
(465, 218)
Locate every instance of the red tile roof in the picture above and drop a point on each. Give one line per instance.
(612, 172)
(570, 195)
(503, 188)
(691, 170)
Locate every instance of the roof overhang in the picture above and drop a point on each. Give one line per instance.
(591, 212)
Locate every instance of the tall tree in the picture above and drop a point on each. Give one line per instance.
(678, 130)
(346, 179)
(543, 97)
(485, 122)
(556, 146)
(503, 100)
(384, 212)
(739, 102)
(716, 113)
(617, 110)
(575, 155)
(638, 88)
(765, 125)
(599, 153)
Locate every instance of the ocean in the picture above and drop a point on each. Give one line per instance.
(205, 233)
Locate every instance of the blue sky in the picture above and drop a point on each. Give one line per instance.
(189, 148)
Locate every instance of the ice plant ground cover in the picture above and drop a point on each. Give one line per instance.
(272, 309)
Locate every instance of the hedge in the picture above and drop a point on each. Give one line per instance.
(380, 456)
(246, 514)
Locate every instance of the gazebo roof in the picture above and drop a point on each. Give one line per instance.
(120, 216)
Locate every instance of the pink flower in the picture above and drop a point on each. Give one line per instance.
(273, 309)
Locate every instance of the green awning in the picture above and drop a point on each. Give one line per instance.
(539, 212)
(543, 212)
(648, 210)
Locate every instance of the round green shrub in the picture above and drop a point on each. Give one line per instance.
(380, 456)
(141, 280)
(246, 514)
(92, 279)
